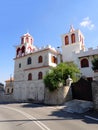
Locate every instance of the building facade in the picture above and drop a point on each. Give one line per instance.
(31, 65)
(73, 50)
(9, 86)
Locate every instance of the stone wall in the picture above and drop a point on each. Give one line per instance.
(58, 96)
(6, 98)
(95, 94)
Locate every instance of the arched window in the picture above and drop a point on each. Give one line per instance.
(40, 59)
(73, 38)
(18, 51)
(27, 39)
(12, 90)
(66, 40)
(29, 76)
(54, 59)
(29, 60)
(8, 90)
(19, 65)
(23, 49)
(84, 63)
(40, 75)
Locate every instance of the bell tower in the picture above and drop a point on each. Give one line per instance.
(26, 38)
(26, 46)
(72, 42)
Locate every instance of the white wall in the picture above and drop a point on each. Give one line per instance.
(33, 89)
(29, 90)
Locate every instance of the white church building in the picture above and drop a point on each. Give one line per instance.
(32, 63)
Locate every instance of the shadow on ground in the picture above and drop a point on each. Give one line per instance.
(76, 116)
(57, 113)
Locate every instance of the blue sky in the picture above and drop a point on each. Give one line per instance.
(46, 21)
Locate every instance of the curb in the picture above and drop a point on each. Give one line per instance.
(90, 117)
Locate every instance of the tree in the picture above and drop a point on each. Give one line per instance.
(59, 74)
(95, 64)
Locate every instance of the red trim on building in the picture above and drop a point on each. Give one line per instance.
(55, 52)
(84, 63)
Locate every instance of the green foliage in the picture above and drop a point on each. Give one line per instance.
(95, 64)
(59, 75)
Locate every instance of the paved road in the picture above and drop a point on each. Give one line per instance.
(27, 116)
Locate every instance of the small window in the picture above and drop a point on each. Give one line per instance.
(40, 75)
(29, 61)
(29, 76)
(40, 59)
(12, 90)
(84, 63)
(19, 65)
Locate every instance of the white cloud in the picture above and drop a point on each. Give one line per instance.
(86, 22)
